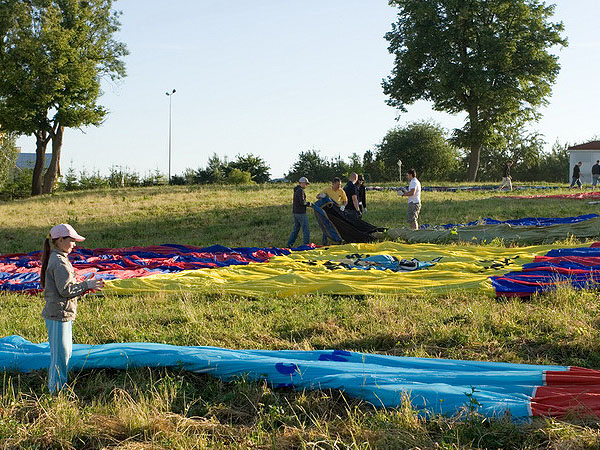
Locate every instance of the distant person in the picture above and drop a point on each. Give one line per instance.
(595, 173)
(414, 198)
(351, 190)
(506, 178)
(335, 193)
(299, 205)
(61, 291)
(362, 194)
(576, 175)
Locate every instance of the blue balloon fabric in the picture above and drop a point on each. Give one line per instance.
(578, 268)
(523, 222)
(434, 386)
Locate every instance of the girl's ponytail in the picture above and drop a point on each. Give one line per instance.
(45, 257)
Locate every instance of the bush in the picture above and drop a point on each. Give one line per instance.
(8, 157)
(255, 165)
(91, 180)
(237, 176)
(19, 186)
(419, 145)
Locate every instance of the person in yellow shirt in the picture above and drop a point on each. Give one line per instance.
(336, 193)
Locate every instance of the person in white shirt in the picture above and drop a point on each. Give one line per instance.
(414, 198)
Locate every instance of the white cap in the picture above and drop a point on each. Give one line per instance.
(65, 230)
(303, 180)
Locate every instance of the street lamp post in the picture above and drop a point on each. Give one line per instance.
(170, 94)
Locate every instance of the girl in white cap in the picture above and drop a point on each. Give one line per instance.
(61, 291)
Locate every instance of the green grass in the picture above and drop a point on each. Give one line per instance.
(174, 409)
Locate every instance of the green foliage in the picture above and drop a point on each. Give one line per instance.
(69, 181)
(18, 185)
(54, 55)
(373, 168)
(8, 157)
(254, 165)
(91, 180)
(219, 171)
(237, 176)
(421, 146)
(530, 161)
(490, 60)
(316, 168)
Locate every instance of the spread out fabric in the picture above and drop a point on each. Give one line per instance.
(434, 386)
(528, 230)
(459, 267)
(20, 272)
(575, 267)
(580, 196)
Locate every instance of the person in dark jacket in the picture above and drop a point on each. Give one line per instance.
(595, 173)
(506, 178)
(576, 175)
(351, 190)
(299, 210)
(362, 194)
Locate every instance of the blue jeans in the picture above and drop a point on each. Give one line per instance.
(300, 221)
(595, 179)
(576, 181)
(60, 339)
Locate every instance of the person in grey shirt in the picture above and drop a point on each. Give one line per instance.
(61, 291)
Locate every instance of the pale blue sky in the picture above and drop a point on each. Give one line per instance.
(275, 78)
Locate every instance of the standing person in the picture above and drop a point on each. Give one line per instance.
(506, 178)
(351, 190)
(299, 210)
(576, 175)
(335, 193)
(362, 194)
(595, 173)
(414, 198)
(61, 291)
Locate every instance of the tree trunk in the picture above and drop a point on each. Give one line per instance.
(476, 142)
(54, 167)
(474, 161)
(41, 142)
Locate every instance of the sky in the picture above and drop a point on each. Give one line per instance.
(275, 78)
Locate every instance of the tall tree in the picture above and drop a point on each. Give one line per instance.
(487, 58)
(54, 54)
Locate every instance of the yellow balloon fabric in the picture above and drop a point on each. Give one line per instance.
(460, 267)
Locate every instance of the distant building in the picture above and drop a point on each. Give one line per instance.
(588, 154)
(27, 160)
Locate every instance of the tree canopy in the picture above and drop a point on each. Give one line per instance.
(489, 59)
(54, 55)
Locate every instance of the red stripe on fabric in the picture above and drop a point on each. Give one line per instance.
(572, 392)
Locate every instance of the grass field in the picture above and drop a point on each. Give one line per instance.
(174, 409)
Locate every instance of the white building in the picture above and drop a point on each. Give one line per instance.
(588, 154)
